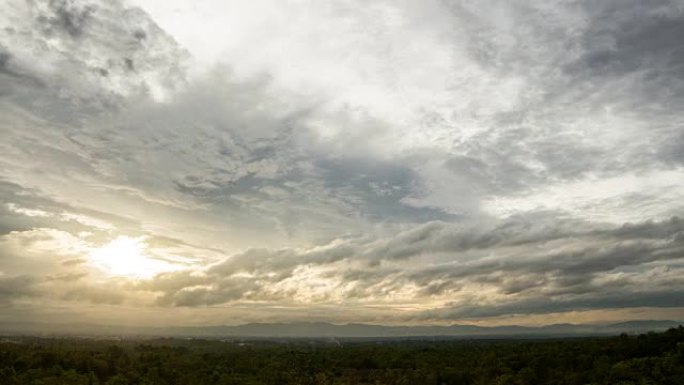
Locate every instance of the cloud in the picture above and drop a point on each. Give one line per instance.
(15, 287)
(511, 268)
(444, 160)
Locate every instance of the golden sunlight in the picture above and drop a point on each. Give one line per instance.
(127, 257)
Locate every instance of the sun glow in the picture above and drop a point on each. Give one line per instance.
(127, 257)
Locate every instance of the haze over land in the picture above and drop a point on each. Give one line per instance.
(199, 163)
(322, 330)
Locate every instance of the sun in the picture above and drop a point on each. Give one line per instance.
(127, 257)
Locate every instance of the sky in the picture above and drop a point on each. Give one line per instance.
(206, 162)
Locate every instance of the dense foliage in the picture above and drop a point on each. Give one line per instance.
(654, 358)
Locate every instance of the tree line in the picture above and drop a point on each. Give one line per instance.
(653, 358)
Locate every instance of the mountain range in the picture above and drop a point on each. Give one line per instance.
(329, 330)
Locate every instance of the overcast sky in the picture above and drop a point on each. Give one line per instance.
(195, 162)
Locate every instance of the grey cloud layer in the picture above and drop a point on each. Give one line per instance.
(320, 201)
(517, 267)
(602, 91)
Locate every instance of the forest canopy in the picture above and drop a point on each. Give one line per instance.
(653, 358)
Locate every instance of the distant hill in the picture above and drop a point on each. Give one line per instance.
(328, 330)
